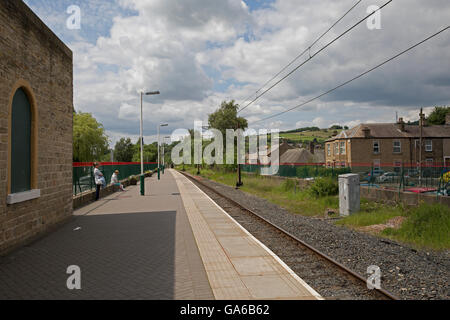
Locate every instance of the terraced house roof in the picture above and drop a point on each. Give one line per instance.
(392, 130)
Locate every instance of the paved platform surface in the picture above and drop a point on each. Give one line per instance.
(128, 247)
(239, 267)
(173, 243)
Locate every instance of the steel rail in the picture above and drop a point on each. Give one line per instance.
(293, 237)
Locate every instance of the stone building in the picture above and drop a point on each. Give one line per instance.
(390, 145)
(36, 110)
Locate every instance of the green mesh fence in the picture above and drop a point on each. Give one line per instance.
(83, 173)
(300, 171)
(431, 179)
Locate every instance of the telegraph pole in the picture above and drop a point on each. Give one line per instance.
(420, 148)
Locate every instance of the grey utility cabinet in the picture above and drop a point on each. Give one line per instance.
(349, 194)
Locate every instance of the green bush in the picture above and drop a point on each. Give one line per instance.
(319, 171)
(132, 180)
(324, 187)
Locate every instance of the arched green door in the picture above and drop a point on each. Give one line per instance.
(20, 143)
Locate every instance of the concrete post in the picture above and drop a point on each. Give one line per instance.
(349, 194)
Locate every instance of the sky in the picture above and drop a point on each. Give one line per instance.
(198, 53)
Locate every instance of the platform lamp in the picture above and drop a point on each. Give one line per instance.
(159, 157)
(198, 165)
(164, 153)
(142, 139)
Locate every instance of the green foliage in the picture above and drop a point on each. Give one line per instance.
(226, 118)
(124, 150)
(372, 213)
(336, 127)
(276, 191)
(90, 142)
(437, 117)
(319, 171)
(302, 130)
(306, 136)
(426, 226)
(289, 185)
(150, 152)
(324, 187)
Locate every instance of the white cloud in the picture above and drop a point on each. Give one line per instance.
(199, 53)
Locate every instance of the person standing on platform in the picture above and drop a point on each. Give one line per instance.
(99, 180)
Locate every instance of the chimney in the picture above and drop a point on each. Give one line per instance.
(447, 119)
(401, 125)
(366, 131)
(423, 120)
(312, 148)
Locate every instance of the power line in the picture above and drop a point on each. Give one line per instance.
(355, 78)
(305, 51)
(314, 55)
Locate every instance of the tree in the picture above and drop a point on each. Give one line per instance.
(124, 150)
(437, 117)
(150, 152)
(90, 142)
(226, 118)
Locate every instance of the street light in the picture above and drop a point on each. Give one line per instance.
(142, 139)
(164, 153)
(200, 151)
(159, 169)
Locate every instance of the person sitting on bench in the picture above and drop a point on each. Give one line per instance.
(115, 180)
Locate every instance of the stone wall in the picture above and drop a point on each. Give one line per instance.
(407, 198)
(86, 198)
(33, 58)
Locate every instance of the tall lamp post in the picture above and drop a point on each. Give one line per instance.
(164, 153)
(142, 139)
(159, 157)
(200, 151)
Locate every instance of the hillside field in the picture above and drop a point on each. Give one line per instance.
(308, 136)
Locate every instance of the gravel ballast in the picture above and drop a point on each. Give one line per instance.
(406, 272)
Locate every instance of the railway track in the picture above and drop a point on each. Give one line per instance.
(330, 278)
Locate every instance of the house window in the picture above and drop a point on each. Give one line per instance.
(329, 149)
(397, 147)
(447, 162)
(376, 147)
(20, 143)
(430, 162)
(397, 166)
(376, 165)
(336, 148)
(429, 145)
(342, 148)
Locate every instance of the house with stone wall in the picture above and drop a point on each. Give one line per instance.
(390, 145)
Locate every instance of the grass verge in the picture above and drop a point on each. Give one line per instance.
(427, 226)
(279, 192)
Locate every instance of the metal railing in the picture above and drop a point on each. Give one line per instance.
(83, 173)
(431, 178)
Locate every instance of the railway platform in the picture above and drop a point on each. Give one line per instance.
(173, 243)
(238, 265)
